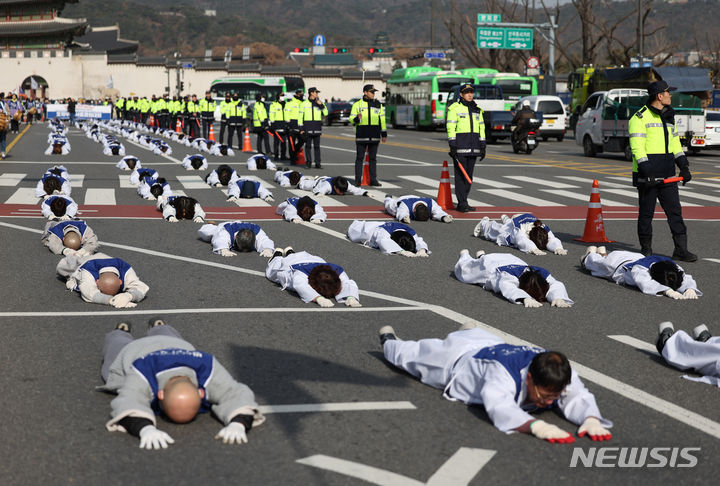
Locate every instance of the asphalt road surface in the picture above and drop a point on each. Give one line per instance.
(337, 413)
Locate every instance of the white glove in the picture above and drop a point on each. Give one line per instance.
(535, 251)
(152, 438)
(297, 220)
(560, 303)
(172, 219)
(530, 302)
(447, 219)
(232, 199)
(323, 302)
(122, 300)
(406, 220)
(352, 302)
(592, 427)
(69, 251)
(674, 294)
(82, 252)
(550, 433)
(217, 184)
(560, 251)
(269, 199)
(690, 294)
(151, 197)
(266, 253)
(408, 254)
(70, 283)
(227, 253)
(316, 221)
(198, 219)
(64, 217)
(234, 433)
(422, 252)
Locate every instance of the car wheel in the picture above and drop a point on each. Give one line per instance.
(560, 138)
(589, 147)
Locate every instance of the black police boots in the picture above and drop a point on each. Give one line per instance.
(681, 252)
(645, 245)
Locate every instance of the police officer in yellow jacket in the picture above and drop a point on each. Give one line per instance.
(236, 114)
(223, 116)
(312, 111)
(368, 116)
(276, 117)
(296, 137)
(656, 150)
(261, 124)
(466, 137)
(207, 113)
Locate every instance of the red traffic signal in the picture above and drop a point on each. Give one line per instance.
(371, 50)
(301, 49)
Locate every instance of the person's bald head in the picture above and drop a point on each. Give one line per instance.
(72, 240)
(180, 399)
(109, 283)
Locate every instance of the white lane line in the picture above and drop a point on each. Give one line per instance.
(325, 201)
(10, 179)
(633, 194)
(380, 156)
(473, 202)
(125, 181)
(692, 183)
(541, 182)
(714, 260)
(327, 231)
(494, 184)
(176, 192)
(425, 181)
(385, 185)
(365, 473)
(517, 197)
(692, 195)
(64, 162)
(100, 197)
(336, 407)
(581, 197)
(635, 343)
(377, 194)
(221, 310)
(77, 180)
(192, 182)
(23, 195)
(590, 180)
(658, 404)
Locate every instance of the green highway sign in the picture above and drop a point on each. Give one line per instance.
(504, 38)
(485, 17)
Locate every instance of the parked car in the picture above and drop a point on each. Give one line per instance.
(338, 112)
(712, 129)
(553, 115)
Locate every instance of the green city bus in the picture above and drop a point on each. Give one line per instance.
(416, 96)
(247, 88)
(513, 86)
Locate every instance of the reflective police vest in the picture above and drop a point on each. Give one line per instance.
(370, 128)
(259, 114)
(223, 108)
(655, 142)
(466, 128)
(235, 111)
(276, 112)
(292, 112)
(206, 107)
(311, 114)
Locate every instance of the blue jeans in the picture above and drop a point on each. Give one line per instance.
(3, 136)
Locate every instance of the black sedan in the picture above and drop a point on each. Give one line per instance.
(338, 112)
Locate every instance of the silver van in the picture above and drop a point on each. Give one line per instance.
(553, 115)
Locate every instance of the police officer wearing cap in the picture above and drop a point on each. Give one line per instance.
(368, 116)
(292, 117)
(466, 137)
(656, 150)
(312, 111)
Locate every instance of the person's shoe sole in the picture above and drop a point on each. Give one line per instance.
(155, 322)
(288, 251)
(124, 326)
(386, 333)
(665, 331)
(701, 333)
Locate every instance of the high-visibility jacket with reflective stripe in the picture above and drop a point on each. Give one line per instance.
(653, 142)
(371, 126)
(292, 112)
(223, 107)
(259, 114)
(236, 110)
(206, 106)
(276, 112)
(311, 116)
(465, 129)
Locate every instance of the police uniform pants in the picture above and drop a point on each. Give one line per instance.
(313, 141)
(194, 129)
(234, 127)
(279, 143)
(223, 125)
(297, 140)
(206, 121)
(116, 340)
(462, 186)
(262, 139)
(360, 149)
(669, 198)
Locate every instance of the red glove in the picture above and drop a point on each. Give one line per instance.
(594, 430)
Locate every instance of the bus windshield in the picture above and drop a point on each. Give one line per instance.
(514, 89)
(247, 90)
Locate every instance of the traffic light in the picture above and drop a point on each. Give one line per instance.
(339, 50)
(375, 50)
(301, 49)
(182, 85)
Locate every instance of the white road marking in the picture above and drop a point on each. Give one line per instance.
(542, 182)
(326, 230)
(325, 201)
(44, 162)
(495, 184)
(459, 470)
(100, 196)
(23, 195)
(660, 405)
(425, 181)
(11, 179)
(522, 198)
(125, 181)
(76, 180)
(589, 181)
(635, 343)
(192, 182)
(633, 194)
(220, 310)
(336, 407)
(472, 202)
(586, 198)
(380, 156)
(714, 260)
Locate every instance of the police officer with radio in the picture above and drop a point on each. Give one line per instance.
(368, 116)
(466, 137)
(656, 150)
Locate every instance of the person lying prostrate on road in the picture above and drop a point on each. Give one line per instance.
(224, 175)
(312, 278)
(164, 374)
(51, 184)
(523, 231)
(142, 172)
(162, 148)
(58, 170)
(66, 237)
(389, 237)
(101, 279)
(150, 188)
(114, 149)
(220, 150)
(260, 162)
(508, 275)
(335, 186)
(175, 208)
(477, 368)
(60, 208)
(699, 353)
(247, 189)
(238, 236)
(287, 178)
(129, 162)
(299, 209)
(195, 162)
(653, 275)
(406, 208)
(58, 147)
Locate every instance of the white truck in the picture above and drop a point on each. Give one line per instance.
(603, 122)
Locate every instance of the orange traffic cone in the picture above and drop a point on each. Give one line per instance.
(178, 126)
(151, 121)
(247, 147)
(211, 135)
(594, 226)
(366, 170)
(444, 197)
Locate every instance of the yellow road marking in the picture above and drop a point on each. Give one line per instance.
(15, 140)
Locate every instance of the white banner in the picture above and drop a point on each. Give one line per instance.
(82, 112)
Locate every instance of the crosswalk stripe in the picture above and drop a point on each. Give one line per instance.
(494, 184)
(254, 202)
(635, 343)
(573, 195)
(472, 202)
(514, 196)
(125, 181)
(76, 180)
(324, 201)
(703, 197)
(634, 195)
(425, 181)
(589, 182)
(192, 182)
(11, 179)
(100, 197)
(23, 195)
(178, 193)
(385, 184)
(542, 182)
